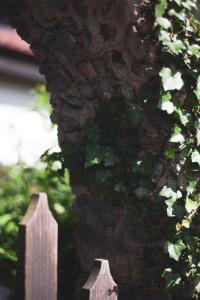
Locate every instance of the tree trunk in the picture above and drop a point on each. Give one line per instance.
(88, 51)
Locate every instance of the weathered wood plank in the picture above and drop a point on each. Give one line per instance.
(100, 285)
(38, 238)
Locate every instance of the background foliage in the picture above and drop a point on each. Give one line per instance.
(17, 183)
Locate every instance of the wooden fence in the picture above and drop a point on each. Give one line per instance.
(37, 273)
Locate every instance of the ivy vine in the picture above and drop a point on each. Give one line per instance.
(179, 34)
(125, 173)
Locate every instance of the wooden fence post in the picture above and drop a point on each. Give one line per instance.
(100, 285)
(38, 241)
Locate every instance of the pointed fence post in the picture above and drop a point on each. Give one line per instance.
(100, 285)
(38, 241)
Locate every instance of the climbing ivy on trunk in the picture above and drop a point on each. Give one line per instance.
(125, 174)
(179, 34)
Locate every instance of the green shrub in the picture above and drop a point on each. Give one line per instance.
(17, 183)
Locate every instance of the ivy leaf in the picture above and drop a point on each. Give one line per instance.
(185, 151)
(197, 126)
(175, 47)
(191, 205)
(191, 187)
(170, 153)
(170, 207)
(195, 157)
(135, 114)
(172, 198)
(186, 223)
(183, 115)
(197, 91)
(171, 81)
(171, 278)
(93, 155)
(102, 176)
(198, 137)
(175, 250)
(194, 50)
(120, 187)
(165, 103)
(160, 9)
(164, 36)
(189, 4)
(167, 192)
(110, 158)
(164, 22)
(176, 136)
(178, 2)
(179, 15)
(141, 192)
(197, 286)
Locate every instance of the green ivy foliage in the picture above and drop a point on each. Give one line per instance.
(114, 160)
(179, 35)
(116, 165)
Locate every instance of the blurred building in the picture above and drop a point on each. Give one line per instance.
(18, 68)
(23, 134)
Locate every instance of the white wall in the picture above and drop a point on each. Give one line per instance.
(24, 134)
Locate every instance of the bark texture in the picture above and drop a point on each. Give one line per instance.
(88, 49)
